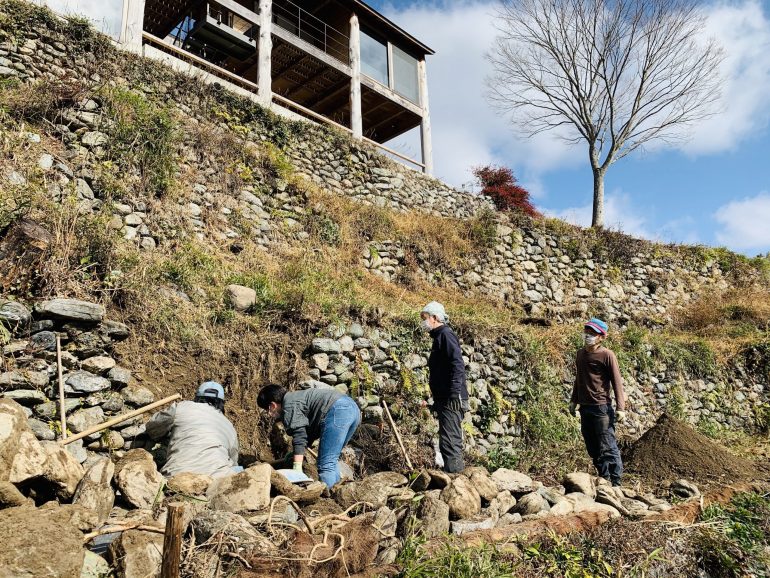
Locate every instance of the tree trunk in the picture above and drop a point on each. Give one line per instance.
(598, 214)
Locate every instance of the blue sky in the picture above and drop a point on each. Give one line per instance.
(713, 190)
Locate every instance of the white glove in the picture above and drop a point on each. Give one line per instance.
(620, 416)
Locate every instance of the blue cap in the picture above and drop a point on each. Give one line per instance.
(211, 389)
(597, 325)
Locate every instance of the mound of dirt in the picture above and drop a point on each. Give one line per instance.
(672, 449)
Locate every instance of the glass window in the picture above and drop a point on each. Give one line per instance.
(374, 59)
(405, 80)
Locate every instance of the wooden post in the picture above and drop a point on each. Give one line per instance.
(425, 135)
(398, 435)
(356, 117)
(120, 419)
(172, 541)
(132, 25)
(62, 407)
(264, 53)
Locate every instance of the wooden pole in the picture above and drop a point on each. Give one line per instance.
(356, 117)
(398, 435)
(172, 541)
(62, 408)
(120, 419)
(264, 53)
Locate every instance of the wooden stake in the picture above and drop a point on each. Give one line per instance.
(62, 408)
(120, 419)
(398, 435)
(172, 541)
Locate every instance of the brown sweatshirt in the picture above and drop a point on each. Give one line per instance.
(598, 372)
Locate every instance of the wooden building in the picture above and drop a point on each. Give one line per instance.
(335, 61)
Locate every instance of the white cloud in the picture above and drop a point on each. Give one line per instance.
(744, 223)
(106, 15)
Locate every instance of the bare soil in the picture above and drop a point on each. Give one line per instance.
(671, 450)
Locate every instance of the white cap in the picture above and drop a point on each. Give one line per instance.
(437, 310)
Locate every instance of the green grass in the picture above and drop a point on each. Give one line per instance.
(453, 560)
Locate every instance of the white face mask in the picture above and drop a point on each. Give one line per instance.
(426, 325)
(590, 339)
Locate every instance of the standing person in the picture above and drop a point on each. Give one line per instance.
(312, 414)
(597, 376)
(447, 385)
(202, 440)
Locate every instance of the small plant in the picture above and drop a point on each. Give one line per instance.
(499, 184)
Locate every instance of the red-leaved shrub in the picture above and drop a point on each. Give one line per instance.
(499, 184)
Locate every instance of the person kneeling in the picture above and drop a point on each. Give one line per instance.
(311, 414)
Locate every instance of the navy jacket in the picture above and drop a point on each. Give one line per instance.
(446, 365)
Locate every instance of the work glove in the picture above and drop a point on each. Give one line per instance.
(297, 466)
(573, 408)
(620, 416)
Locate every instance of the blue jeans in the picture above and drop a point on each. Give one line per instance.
(339, 425)
(597, 424)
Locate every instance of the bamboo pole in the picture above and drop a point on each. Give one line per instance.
(120, 419)
(398, 435)
(172, 541)
(62, 407)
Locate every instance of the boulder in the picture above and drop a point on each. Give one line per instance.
(41, 542)
(70, 310)
(137, 554)
(119, 376)
(463, 499)
(95, 489)
(485, 486)
(433, 513)
(375, 489)
(208, 523)
(137, 396)
(23, 379)
(84, 419)
(606, 495)
(94, 566)
(189, 484)
(10, 496)
(503, 503)
(246, 491)
(114, 330)
(325, 345)
(98, 365)
(512, 481)
(14, 315)
(580, 482)
(21, 456)
(562, 508)
(532, 503)
(461, 527)
(240, 298)
(26, 396)
(138, 479)
(508, 520)
(81, 382)
(684, 489)
(61, 469)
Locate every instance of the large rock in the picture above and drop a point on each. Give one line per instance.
(95, 489)
(503, 503)
(684, 489)
(137, 554)
(70, 310)
(512, 481)
(296, 493)
(463, 499)
(208, 523)
(10, 496)
(84, 419)
(137, 396)
(41, 542)
(138, 479)
(485, 486)
(26, 396)
(433, 513)
(98, 365)
(21, 456)
(580, 482)
(14, 315)
(94, 566)
(240, 298)
(189, 484)
(375, 489)
(461, 527)
(82, 382)
(532, 503)
(244, 492)
(325, 345)
(23, 379)
(61, 469)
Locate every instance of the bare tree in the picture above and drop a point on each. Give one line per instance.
(614, 73)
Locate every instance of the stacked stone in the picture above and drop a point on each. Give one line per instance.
(385, 259)
(96, 387)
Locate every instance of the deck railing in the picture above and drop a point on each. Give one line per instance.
(312, 29)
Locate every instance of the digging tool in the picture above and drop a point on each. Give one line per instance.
(398, 435)
(62, 408)
(120, 419)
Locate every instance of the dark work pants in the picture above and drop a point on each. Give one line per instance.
(597, 424)
(450, 434)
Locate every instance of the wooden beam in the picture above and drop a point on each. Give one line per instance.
(330, 98)
(425, 130)
(264, 53)
(132, 25)
(356, 116)
(306, 82)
